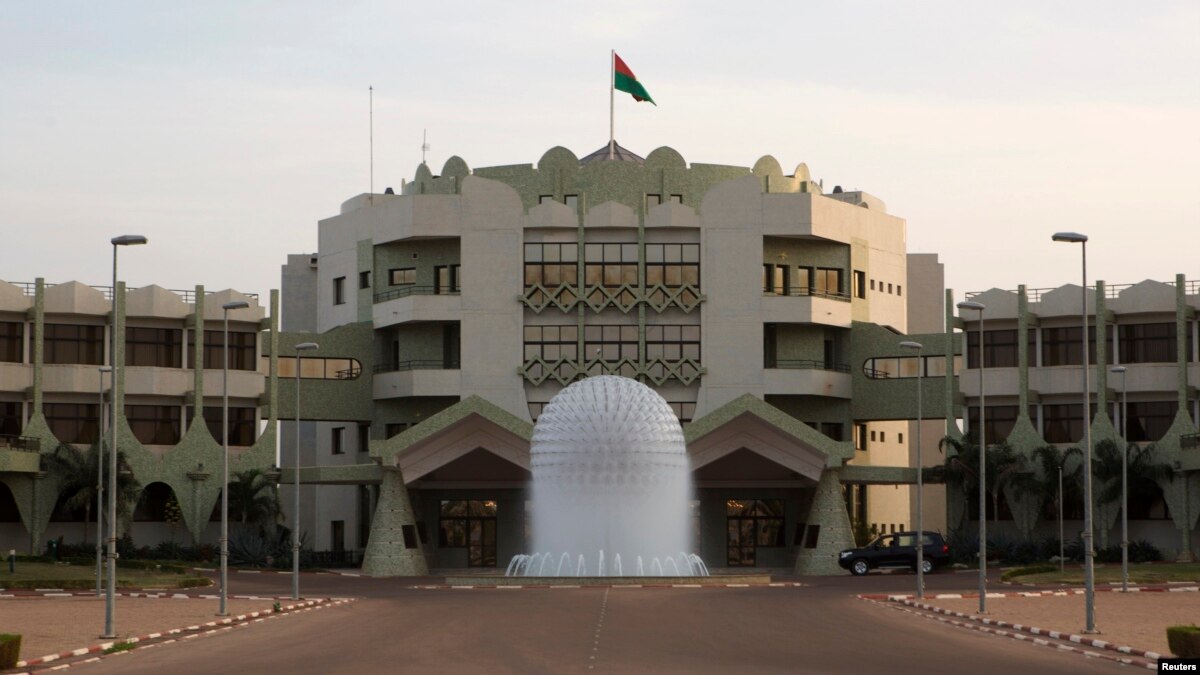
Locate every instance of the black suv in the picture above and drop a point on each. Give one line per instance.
(896, 550)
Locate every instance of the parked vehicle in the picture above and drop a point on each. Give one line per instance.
(896, 550)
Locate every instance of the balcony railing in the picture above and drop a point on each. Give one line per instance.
(809, 292)
(188, 295)
(407, 290)
(419, 364)
(1111, 291)
(21, 443)
(809, 364)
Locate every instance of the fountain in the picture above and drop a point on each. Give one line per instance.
(611, 482)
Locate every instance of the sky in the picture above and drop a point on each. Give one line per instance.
(224, 131)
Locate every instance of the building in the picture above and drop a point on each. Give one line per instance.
(54, 339)
(1032, 380)
(747, 297)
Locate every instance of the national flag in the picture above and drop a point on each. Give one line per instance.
(624, 80)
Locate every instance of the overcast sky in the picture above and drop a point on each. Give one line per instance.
(224, 131)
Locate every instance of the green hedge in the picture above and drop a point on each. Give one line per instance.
(193, 582)
(1184, 641)
(86, 584)
(10, 650)
(130, 564)
(1008, 575)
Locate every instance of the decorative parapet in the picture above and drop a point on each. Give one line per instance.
(564, 370)
(625, 298)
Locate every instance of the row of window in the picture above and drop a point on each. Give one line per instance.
(779, 279)
(1063, 422)
(1062, 346)
(684, 410)
(671, 265)
(892, 367)
(316, 367)
(572, 201)
(861, 435)
(151, 424)
(152, 347)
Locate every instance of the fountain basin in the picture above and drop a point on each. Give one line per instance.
(721, 580)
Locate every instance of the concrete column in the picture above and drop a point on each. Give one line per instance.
(386, 554)
(1023, 350)
(828, 511)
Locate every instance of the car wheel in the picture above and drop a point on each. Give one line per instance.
(927, 565)
(859, 567)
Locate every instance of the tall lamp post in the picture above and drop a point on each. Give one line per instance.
(233, 304)
(979, 307)
(907, 344)
(303, 346)
(1120, 370)
(100, 482)
(1062, 459)
(1089, 554)
(110, 596)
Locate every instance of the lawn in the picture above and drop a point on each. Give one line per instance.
(58, 575)
(1141, 573)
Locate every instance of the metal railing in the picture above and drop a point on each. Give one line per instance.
(1111, 291)
(809, 364)
(808, 292)
(21, 443)
(188, 295)
(418, 364)
(407, 290)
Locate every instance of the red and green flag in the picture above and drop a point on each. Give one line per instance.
(624, 80)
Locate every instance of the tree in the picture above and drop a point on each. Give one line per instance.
(1144, 472)
(253, 499)
(76, 472)
(1004, 466)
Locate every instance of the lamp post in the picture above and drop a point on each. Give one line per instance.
(233, 304)
(100, 482)
(1061, 546)
(1089, 555)
(303, 346)
(110, 596)
(1120, 370)
(920, 479)
(979, 307)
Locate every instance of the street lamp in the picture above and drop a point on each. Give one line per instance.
(100, 481)
(907, 344)
(233, 304)
(1120, 370)
(1062, 459)
(303, 346)
(1089, 555)
(979, 307)
(110, 596)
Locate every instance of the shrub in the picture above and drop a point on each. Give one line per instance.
(1184, 641)
(192, 582)
(1031, 569)
(1144, 551)
(10, 650)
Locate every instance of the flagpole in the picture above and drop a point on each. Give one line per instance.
(612, 85)
(371, 139)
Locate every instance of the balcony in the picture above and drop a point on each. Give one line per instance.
(802, 377)
(432, 377)
(403, 304)
(807, 305)
(19, 454)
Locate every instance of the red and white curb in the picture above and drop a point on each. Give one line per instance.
(1036, 594)
(191, 632)
(497, 587)
(1033, 639)
(59, 593)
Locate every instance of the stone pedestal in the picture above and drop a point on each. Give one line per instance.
(387, 554)
(829, 512)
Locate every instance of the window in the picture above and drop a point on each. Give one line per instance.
(672, 343)
(410, 535)
(403, 276)
(860, 437)
(154, 347)
(364, 437)
(653, 200)
(395, 428)
(445, 279)
(551, 266)
(683, 410)
(831, 429)
(12, 341)
(242, 350)
(339, 291)
(613, 344)
(73, 422)
(572, 202)
(999, 422)
(552, 344)
(11, 420)
(155, 424)
(242, 424)
(469, 524)
(860, 284)
(1149, 420)
(337, 535)
(750, 524)
(882, 436)
(542, 199)
(364, 279)
(872, 434)
(899, 290)
(153, 503)
(872, 284)
(451, 346)
(999, 348)
(901, 437)
(672, 266)
(889, 288)
(770, 352)
(827, 281)
(1150, 342)
(1062, 346)
(71, 343)
(613, 266)
(316, 367)
(776, 279)
(1063, 423)
(337, 440)
(676, 199)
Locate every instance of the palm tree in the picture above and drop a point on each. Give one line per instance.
(1144, 474)
(1005, 466)
(76, 473)
(253, 499)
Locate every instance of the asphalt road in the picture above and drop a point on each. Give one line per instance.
(820, 628)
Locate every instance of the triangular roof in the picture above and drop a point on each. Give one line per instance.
(620, 154)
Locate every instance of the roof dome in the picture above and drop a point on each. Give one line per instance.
(620, 154)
